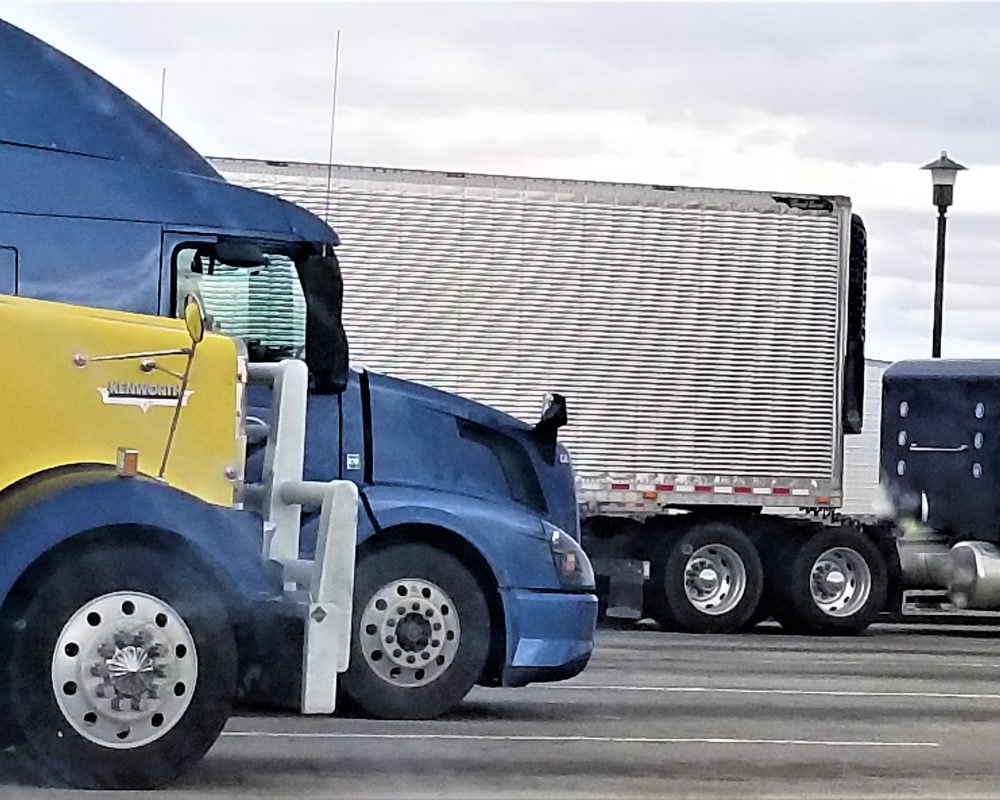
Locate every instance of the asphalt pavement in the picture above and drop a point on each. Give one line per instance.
(902, 712)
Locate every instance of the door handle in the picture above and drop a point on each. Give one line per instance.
(916, 448)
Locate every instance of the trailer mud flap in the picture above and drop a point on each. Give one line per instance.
(623, 581)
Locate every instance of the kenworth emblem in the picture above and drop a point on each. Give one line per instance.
(143, 395)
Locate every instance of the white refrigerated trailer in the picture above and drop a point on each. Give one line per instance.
(710, 344)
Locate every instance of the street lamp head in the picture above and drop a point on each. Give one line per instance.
(943, 173)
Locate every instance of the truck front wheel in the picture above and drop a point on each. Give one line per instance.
(708, 580)
(420, 636)
(834, 582)
(123, 668)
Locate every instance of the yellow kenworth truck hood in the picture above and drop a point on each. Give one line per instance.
(62, 408)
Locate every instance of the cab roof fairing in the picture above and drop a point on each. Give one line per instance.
(65, 130)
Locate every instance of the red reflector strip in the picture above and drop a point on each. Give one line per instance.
(707, 489)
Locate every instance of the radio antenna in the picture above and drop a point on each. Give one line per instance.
(333, 126)
(163, 89)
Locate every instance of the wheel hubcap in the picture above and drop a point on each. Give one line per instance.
(715, 579)
(410, 632)
(707, 580)
(124, 670)
(840, 582)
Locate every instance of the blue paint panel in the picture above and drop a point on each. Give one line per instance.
(418, 441)
(40, 515)
(322, 437)
(64, 184)
(420, 445)
(509, 538)
(101, 263)
(548, 629)
(323, 460)
(8, 270)
(353, 436)
(51, 101)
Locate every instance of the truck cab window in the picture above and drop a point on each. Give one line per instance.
(264, 306)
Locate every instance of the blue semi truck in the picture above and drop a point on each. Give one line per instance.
(463, 507)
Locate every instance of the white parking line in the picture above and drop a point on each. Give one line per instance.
(791, 692)
(826, 662)
(565, 739)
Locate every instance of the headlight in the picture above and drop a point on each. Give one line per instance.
(572, 564)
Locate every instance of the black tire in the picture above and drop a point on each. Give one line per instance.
(668, 600)
(794, 606)
(387, 570)
(54, 746)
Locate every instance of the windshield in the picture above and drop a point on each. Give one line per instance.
(264, 306)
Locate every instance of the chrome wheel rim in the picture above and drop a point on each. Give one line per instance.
(840, 582)
(715, 579)
(410, 632)
(124, 670)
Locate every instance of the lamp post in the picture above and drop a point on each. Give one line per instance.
(943, 173)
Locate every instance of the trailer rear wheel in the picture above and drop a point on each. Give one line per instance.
(420, 636)
(832, 583)
(708, 580)
(123, 668)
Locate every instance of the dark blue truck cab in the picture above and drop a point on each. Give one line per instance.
(940, 471)
(469, 568)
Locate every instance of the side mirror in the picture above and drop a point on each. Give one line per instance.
(238, 253)
(554, 416)
(194, 318)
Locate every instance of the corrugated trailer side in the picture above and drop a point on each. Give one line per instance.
(696, 333)
(699, 335)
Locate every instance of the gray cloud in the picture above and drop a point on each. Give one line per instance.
(874, 82)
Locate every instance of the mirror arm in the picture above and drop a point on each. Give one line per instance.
(177, 410)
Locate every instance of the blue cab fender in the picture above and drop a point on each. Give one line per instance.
(510, 539)
(548, 632)
(49, 510)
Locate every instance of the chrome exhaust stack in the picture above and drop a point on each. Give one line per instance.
(975, 576)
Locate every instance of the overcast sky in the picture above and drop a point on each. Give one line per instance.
(847, 99)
